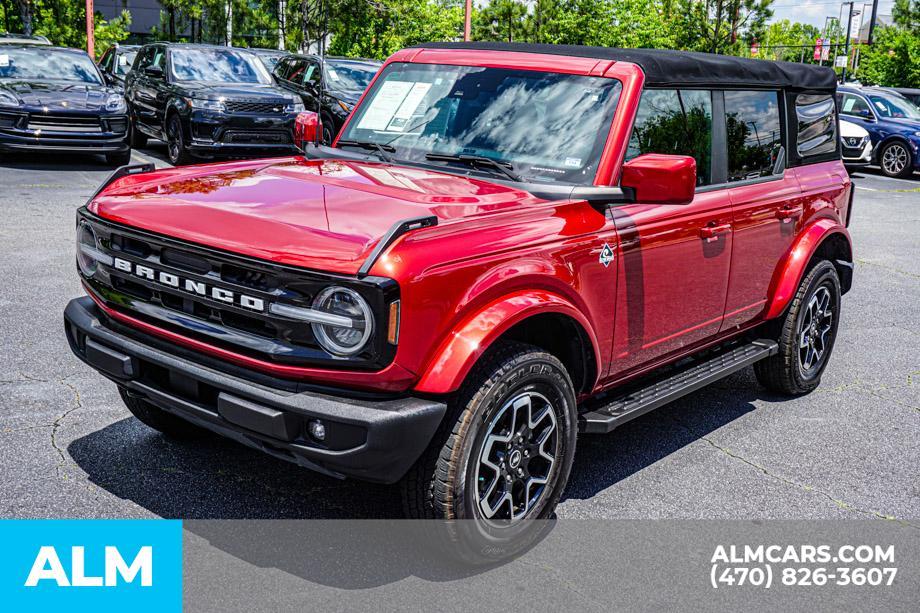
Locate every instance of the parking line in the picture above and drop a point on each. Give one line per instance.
(152, 160)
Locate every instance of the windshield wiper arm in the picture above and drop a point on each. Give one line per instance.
(381, 149)
(478, 160)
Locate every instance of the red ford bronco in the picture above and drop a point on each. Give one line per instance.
(505, 246)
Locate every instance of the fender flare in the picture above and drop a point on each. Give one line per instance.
(789, 273)
(465, 344)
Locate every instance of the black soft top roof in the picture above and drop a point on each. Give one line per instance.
(674, 68)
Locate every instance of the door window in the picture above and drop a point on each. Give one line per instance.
(313, 74)
(753, 133)
(676, 122)
(854, 105)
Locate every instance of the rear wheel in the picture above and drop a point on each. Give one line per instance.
(806, 334)
(502, 455)
(160, 420)
(895, 160)
(175, 142)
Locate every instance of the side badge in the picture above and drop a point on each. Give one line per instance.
(606, 255)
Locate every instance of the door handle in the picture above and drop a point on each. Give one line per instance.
(712, 231)
(789, 213)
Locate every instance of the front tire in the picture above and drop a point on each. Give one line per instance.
(806, 335)
(175, 142)
(502, 455)
(161, 421)
(895, 160)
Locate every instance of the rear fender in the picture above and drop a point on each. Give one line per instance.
(476, 333)
(791, 270)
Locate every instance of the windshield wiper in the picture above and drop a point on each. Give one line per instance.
(478, 160)
(381, 149)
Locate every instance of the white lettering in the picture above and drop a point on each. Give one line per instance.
(252, 303)
(221, 294)
(78, 572)
(47, 556)
(168, 279)
(143, 271)
(123, 265)
(196, 287)
(115, 565)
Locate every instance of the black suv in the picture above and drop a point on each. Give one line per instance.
(330, 86)
(54, 99)
(208, 101)
(116, 62)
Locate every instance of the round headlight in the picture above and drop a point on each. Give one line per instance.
(343, 340)
(86, 237)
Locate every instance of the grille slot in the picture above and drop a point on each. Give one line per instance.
(257, 138)
(238, 106)
(64, 123)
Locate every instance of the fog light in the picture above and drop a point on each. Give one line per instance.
(317, 429)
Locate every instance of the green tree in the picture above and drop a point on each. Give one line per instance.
(892, 60)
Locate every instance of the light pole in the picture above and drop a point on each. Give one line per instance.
(90, 30)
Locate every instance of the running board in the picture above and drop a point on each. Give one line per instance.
(623, 407)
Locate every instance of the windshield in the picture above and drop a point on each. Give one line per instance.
(43, 64)
(124, 61)
(349, 76)
(270, 60)
(217, 66)
(550, 127)
(891, 106)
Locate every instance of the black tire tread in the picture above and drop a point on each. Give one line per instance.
(777, 373)
(426, 488)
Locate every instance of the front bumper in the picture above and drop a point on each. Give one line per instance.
(857, 156)
(17, 133)
(215, 133)
(375, 440)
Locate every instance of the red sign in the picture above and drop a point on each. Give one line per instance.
(755, 48)
(817, 49)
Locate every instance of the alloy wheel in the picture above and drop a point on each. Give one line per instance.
(518, 458)
(814, 327)
(895, 159)
(173, 140)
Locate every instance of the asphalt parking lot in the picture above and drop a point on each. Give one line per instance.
(69, 448)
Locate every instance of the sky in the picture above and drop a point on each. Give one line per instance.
(814, 11)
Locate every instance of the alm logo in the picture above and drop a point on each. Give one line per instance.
(48, 567)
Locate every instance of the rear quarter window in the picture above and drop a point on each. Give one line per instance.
(816, 132)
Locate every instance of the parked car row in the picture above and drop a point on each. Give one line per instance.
(211, 101)
(204, 101)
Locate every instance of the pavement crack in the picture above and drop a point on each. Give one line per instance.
(59, 421)
(792, 483)
(888, 268)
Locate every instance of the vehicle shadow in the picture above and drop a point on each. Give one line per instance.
(214, 478)
(58, 162)
(217, 479)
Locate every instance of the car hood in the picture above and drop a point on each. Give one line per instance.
(240, 91)
(318, 214)
(60, 94)
(906, 125)
(851, 130)
(350, 96)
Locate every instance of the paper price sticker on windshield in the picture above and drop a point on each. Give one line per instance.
(393, 106)
(4, 60)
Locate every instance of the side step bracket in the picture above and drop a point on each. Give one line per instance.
(620, 408)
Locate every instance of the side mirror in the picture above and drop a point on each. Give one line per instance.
(307, 128)
(154, 71)
(656, 178)
(864, 113)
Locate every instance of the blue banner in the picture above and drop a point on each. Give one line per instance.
(91, 565)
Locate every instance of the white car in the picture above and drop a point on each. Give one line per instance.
(856, 145)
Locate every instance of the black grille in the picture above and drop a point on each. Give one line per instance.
(230, 325)
(257, 138)
(236, 106)
(64, 123)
